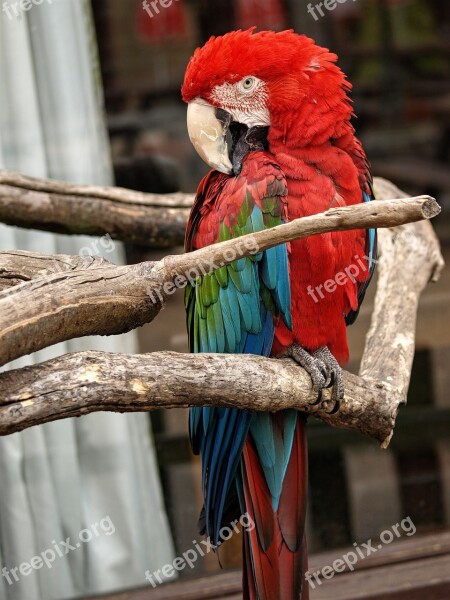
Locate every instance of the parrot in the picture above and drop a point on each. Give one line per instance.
(270, 114)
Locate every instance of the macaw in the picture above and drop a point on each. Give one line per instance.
(269, 112)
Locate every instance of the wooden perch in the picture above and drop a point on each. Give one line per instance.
(410, 258)
(93, 296)
(150, 220)
(84, 382)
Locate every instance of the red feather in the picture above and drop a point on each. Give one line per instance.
(264, 537)
(220, 198)
(275, 549)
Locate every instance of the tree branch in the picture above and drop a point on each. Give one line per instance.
(84, 382)
(80, 383)
(102, 299)
(150, 220)
(410, 258)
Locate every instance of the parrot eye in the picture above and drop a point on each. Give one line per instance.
(248, 84)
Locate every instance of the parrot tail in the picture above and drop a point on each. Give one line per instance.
(274, 550)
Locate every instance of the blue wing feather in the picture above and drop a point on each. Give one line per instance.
(237, 320)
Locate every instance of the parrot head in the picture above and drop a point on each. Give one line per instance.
(250, 87)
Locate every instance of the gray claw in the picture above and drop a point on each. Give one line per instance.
(324, 370)
(334, 373)
(315, 367)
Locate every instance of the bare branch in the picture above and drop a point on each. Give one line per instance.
(103, 299)
(410, 258)
(94, 298)
(150, 220)
(84, 382)
(378, 214)
(92, 192)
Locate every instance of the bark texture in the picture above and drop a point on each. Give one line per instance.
(84, 382)
(150, 220)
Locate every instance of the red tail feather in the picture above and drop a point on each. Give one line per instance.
(275, 550)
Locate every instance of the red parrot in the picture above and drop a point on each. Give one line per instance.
(269, 112)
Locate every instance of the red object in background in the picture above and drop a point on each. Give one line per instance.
(157, 25)
(265, 14)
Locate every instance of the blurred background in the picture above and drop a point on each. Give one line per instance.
(396, 53)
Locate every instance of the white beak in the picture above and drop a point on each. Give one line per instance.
(207, 132)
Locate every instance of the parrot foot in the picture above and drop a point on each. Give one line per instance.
(314, 366)
(324, 370)
(334, 376)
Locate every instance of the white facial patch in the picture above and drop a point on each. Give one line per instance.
(248, 107)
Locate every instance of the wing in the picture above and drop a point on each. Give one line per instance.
(233, 309)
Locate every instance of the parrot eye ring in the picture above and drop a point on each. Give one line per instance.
(248, 84)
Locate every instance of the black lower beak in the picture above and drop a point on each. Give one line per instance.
(243, 141)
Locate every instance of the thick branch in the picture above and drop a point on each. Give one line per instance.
(410, 258)
(142, 219)
(77, 297)
(104, 299)
(85, 382)
(18, 266)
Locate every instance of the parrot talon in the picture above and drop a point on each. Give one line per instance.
(316, 368)
(330, 384)
(318, 400)
(324, 370)
(335, 408)
(336, 380)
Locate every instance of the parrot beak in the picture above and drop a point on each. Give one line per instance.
(208, 127)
